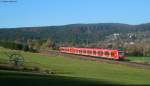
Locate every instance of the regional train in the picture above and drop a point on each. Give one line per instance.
(94, 52)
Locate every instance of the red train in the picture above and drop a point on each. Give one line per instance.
(104, 53)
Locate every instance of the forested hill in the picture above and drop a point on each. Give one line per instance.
(74, 33)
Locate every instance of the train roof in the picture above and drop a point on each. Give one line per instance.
(92, 48)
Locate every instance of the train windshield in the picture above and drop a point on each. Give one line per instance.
(121, 53)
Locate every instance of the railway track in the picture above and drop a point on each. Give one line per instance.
(128, 63)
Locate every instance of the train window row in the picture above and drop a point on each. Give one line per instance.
(100, 53)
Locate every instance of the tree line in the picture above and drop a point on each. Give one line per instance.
(32, 45)
(16, 46)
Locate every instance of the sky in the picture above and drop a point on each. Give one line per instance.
(28, 13)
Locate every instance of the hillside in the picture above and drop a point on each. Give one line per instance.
(76, 33)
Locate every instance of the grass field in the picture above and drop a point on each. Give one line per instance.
(139, 59)
(26, 79)
(67, 69)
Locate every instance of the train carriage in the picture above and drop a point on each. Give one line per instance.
(104, 53)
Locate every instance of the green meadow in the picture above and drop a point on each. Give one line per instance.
(139, 59)
(72, 71)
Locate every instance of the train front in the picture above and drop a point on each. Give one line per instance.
(121, 54)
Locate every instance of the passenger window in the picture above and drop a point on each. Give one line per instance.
(100, 53)
(112, 54)
(94, 52)
(80, 51)
(88, 52)
(84, 51)
(107, 53)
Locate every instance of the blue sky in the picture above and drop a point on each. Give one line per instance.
(26, 13)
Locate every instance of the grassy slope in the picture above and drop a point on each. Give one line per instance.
(87, 69)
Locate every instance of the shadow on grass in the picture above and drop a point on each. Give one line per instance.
(22, 79)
